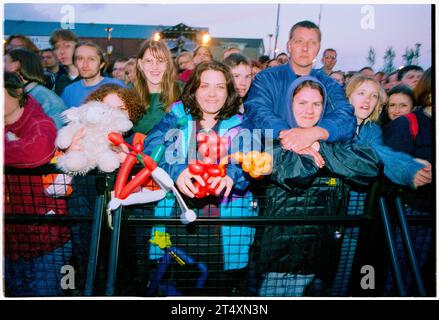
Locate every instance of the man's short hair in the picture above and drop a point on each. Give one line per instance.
(235, 59)
(365, 68)
(388, 75)
(62, 34)
(338, 71)
(47, 50)
(263, 59)
(305, 24)
(230, 49)
(329, 49)
(406, 69)
(121, 60)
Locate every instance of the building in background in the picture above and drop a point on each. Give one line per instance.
(124, 40)
(252, 48)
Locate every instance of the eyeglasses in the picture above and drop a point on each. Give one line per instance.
(150, 62)
(331, 57)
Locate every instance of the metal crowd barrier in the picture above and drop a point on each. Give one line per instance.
(51, 222)
(315, 246)
(145, 270)
(411, 237)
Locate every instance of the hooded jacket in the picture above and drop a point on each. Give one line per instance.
(358, 163)
(294, 190)
(291, 120)
(266, 109)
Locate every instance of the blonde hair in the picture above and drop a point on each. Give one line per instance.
(170, 91)
(356, 81)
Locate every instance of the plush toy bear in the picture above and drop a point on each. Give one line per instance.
(93, 149)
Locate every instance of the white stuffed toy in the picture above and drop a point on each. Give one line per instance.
(93, 149)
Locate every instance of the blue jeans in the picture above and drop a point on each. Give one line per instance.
(39, 276)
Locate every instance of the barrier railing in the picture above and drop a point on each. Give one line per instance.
(412, 233)
(314, 244)
(202, 243)
(52, 223)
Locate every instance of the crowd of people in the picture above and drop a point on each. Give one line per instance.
(352, 124)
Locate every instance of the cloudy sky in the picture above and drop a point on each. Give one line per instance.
(349, 28)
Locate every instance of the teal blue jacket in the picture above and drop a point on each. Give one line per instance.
(52, 105)
(175, 131)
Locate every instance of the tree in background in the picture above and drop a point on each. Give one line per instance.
(411, 56)
(407, 57)
(416, 53)
(389, 56)
(371, 55)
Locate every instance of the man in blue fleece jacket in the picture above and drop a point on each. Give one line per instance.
(265, 106)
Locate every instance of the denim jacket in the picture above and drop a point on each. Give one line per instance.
(398, 166)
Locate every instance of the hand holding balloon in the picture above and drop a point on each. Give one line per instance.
(255, 163)
(202, 173)
(186, 185)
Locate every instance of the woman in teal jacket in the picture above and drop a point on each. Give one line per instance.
(209, 102)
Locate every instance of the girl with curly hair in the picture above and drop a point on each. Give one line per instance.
(123, 98)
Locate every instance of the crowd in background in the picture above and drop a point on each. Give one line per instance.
(364, 108)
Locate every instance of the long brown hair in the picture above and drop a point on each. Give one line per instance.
(170, 91)
(30, 64)
(422, 90)
(233, 101)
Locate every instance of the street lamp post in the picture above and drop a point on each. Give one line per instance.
(109, 46)
(277, 31)
(157, 36)
(205, 39)
(269, 44)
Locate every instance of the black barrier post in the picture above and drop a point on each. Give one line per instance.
(114, 251)
(392, 248)
(94, 245)
(409, 246)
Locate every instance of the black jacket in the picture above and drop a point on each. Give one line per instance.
(293, 189)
